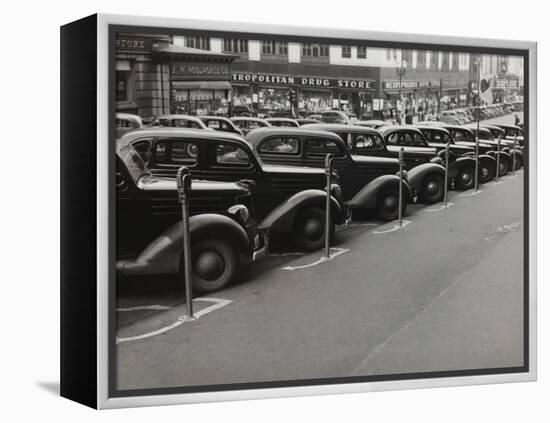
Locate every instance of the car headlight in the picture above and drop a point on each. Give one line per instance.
(239, 211)
(405, 175)
(437, 160)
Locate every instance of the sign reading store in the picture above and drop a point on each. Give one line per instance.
(303, 81)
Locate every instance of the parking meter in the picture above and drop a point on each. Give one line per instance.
(498, 159)
(514, 155)
(446, 171)
(400, 203)
(328, 173)
(184, 187)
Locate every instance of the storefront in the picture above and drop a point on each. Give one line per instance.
(199, 80)
(268, 93)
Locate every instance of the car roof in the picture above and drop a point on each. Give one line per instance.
(130, 137)
(454, 127)
(254, 119)
(485, 125)
(255, 136)
(507, 125)
(213, 117)
(340, 127)
(128, 116)
(396, 128)
(433, 128)
(481, 128)
(280, 119)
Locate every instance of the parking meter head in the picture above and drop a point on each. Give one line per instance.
(184, 181)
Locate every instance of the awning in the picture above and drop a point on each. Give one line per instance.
(201, 85)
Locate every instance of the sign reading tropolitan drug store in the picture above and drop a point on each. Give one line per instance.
(274, 79)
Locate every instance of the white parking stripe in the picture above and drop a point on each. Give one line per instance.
(219, 303)
(470, 194)
(323, 259)
(442, 207)
(395, 228)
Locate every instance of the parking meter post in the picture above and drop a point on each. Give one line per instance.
(328, 173)
(446, 171)
(476, 176)
(400, 202)
(514, 155)
(498, 160)
(184, 186)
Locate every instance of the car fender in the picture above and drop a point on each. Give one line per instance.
(162, 256)
(517, 153)
(367, 196)
(459, 164)
(281, 219)
(503, 156)
(417, 174)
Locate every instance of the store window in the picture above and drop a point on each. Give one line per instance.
(235, 45)
(362, 52)
(346, 52)
(122, 85)
(314, 50)
(274, 47)
(202, 43)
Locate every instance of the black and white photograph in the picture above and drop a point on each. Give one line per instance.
(298, 210)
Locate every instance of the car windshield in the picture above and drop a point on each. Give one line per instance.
(134, 163)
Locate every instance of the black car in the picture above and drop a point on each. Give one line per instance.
(149, 231)
(368, 183)
(465, 135)
(220, 123)
(487, 135)
(286, 200)
(247, 124)
(426, 179)
(459, 156)
(512, 132)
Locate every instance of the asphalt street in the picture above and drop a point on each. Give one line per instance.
(443, 292)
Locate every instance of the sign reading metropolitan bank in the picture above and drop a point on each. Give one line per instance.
(302, 81)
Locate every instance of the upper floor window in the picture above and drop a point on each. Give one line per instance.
(421, 60)
(456, 57)
(315, 50)
(434, 60)
(274, 47)
(202, 43)
(346, 51)
(407, 57)
(445, 64)
(362, 52)
(234, 45)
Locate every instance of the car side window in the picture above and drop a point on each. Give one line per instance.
(431, 137)
(214, 124)
(368, 142)
(458, 136)
(143, 147)
(231, 155)
(176, 152)
(185, 123)
(322, 147)
(418, 140)
(280, 145)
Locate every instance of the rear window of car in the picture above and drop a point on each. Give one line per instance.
(231, 155)
(186, 123)
(176, 151)
(321, 147)
(280, 145)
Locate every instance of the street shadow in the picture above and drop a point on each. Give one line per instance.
(51, 387)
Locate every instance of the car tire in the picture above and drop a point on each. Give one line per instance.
(486, 173)
(387, 204)
(433, 189)
(215, 263)
(465, 178)
(309, 229)
(518, 163)
(504, 167)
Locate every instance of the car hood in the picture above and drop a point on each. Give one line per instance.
(455, 147)
(151, 183)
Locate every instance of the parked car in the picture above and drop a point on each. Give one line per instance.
(305, 121)
(368, 183)
(336, 116)
(464, 135)
(286, 200)
(426, 181)
(178, 121)
(282, 122)
(126, 122)
(373, 123)
(487, 134)
(247, 124)
(513, 131)
(149, 231)
(438, 137)
(219, 123)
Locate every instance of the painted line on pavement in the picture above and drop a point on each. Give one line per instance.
(395, 228)
(339, 251)
(442, 207)
(470, 194)
(218, 303)
(285, 254)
